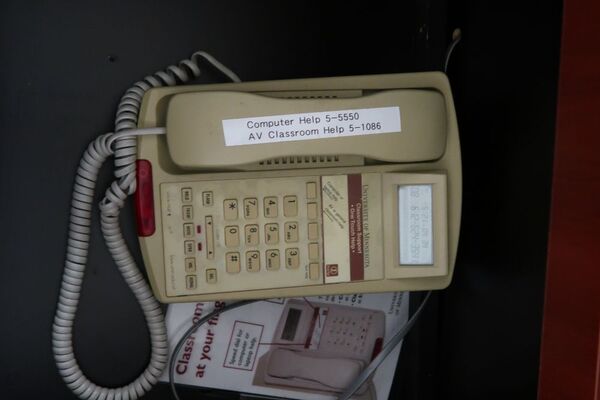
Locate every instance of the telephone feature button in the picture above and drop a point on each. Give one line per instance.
(230, 209)
(311, 190)
(187, 212)
(270, 206)
(290, 230)
(272, 259)
(251, 233)
(292, 258)
(253, 261)
(186, 195)
(189, 247)
(251, 208)
(188, 231)
(232, 236)
(190, 282)
(290, 206)
(232, 262)
(311, 210)
(313, 231)
(207, 199)
(313, 251)
(271, 233)
(211, 275)
(313, 271)
(210, 238)
(190, 265)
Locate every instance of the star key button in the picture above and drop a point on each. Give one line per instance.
(230, 209)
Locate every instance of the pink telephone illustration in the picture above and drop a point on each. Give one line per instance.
(320, 347)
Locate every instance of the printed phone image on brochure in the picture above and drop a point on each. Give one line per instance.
(321, 347)
(298, 348)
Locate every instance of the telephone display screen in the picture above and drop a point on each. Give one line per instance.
(291, 324)
(415, 215)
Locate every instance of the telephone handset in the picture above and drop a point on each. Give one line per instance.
(300, 369)
(321, 347)
(299, 187)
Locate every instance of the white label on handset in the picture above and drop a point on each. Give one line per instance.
(313, 125)
(415, 214)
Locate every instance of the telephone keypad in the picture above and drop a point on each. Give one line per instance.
(290, 206)
(345, 331)
(251, 208)
(264, 233)
(292, 258)
(232, 236)
(272, 233)
(251, 232)
(230, 209)
(290, 231)
(272, 257)
(253, 261)
(270, 206)
(232, 263)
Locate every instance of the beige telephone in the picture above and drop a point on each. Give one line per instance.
(267, 189)
(299, 187)
(321, 347)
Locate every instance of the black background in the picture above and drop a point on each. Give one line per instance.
(64, 65)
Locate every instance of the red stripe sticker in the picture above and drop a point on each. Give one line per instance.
(355, 223)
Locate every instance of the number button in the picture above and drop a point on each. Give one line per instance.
(311, 190)
(232, 236)
(292, 258)
(187, 212)
(270, 206)
(186, 195)
(251, 232)
(232, 263)
(188, 231)
(290, 206)
(291, 232)
(211, 275)
(313, 231)
(250, 208)
(230, 209)
(271, 233)
(190, 265)
(272, 258)
(311, 210)
(252, 261)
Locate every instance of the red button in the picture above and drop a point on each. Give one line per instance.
(144, 199)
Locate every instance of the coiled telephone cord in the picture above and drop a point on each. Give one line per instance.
(123, 146)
